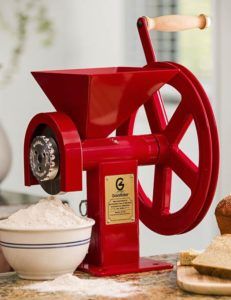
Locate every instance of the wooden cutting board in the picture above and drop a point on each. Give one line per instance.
(188, 279)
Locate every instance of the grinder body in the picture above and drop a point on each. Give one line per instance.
(92, 103)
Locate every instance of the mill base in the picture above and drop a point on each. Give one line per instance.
(144, 265)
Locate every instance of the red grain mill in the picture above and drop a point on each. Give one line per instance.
(92, 103)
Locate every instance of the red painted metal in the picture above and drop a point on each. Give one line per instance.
(97, 99)
(156, 213)
(116, 249)
(215, 145)
(66, 135)
(91, 104)
(146, 40)
(143, 148)
(142, 265)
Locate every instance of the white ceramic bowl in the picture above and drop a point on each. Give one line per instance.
(45, 254)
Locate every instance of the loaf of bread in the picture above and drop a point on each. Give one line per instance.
(186, 257)
(216, 259)
(223, 215)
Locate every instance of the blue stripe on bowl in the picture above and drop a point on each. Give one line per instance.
(45, 246)
(48, 244)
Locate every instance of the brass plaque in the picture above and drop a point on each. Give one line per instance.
(120, 199)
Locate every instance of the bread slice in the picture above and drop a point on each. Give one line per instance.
(186, 257)
(216, 259)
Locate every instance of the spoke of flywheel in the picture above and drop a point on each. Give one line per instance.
(162, 189)
(184, 167)
(156, 114)
(178, 124)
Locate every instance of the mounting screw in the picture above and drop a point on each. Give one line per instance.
(139, 23)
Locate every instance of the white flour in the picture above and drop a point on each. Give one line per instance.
(48, 213)
(85, 287)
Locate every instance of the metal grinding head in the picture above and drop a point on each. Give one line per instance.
(44, 158)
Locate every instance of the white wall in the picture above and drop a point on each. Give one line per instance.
(89, 33)
(222, 58)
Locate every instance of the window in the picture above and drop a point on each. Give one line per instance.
(192, 48)
(166, 44)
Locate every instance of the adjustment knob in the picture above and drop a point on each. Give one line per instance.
(44, 158)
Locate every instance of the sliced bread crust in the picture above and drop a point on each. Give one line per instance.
(216, 259)
(213, 271)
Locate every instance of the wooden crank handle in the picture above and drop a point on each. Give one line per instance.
(178, 23)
